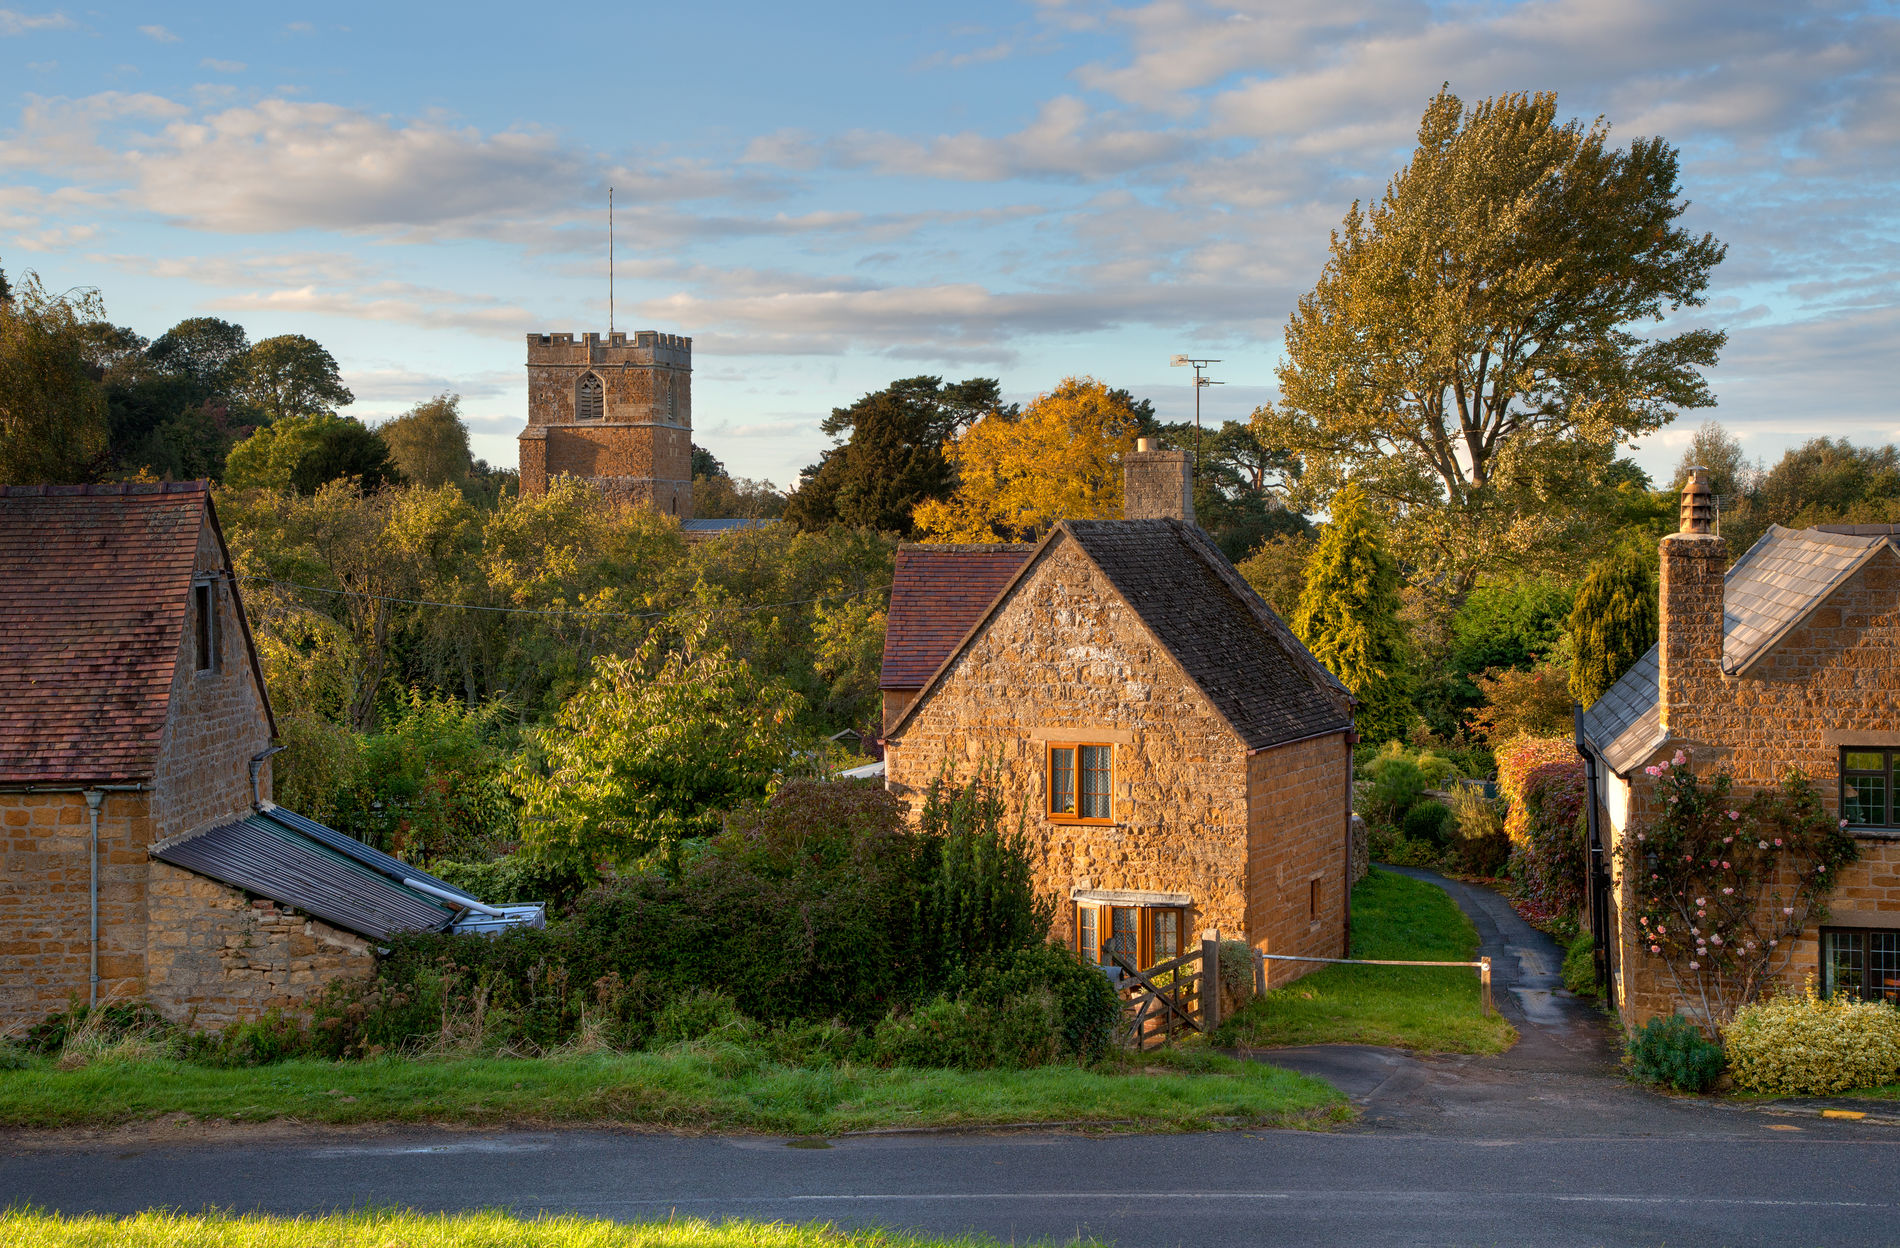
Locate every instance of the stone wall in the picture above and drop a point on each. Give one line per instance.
(45, 901)
(1157, 484)
(215, 723)
(216, 958)
(1833, 681)
(1063, 659)
(1299, 841)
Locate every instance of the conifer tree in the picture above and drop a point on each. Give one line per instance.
(1349, 616)
(1612, 624)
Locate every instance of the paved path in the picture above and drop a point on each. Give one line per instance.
(1562, 1068)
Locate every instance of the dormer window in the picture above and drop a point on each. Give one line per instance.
(591, 401)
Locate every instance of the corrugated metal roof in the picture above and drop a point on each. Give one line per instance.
(375, 859)
(267, 856)
(1783, 577)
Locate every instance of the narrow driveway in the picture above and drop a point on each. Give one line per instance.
(1563, 1069)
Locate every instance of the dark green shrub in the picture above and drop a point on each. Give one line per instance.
(980, 898)
(1430, 821)
(1086, 1007)
(816, 1044)
(700, 1016)
(1580, 966)
(940, 1034)
(519, 877)
(14, 1056)
(1673, 1052)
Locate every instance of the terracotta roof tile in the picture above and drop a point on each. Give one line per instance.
(937, 594)
(94, 582)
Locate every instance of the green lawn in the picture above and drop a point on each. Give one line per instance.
(721, 1087)
(1431, 1009)
(382, 1229)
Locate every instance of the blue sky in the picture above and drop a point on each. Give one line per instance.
(829, 196)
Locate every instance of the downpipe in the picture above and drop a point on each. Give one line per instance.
(94, 799)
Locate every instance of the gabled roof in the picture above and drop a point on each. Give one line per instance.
(1784, 576)
(94, 585)
(1625, 724)
(938, 593)
(1245, 661)
(1777, 584)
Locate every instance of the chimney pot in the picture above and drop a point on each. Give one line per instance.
(1698, 503)
(1141, 444)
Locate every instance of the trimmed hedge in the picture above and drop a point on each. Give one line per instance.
(1803, 1045)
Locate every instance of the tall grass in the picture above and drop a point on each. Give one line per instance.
(380, 1229)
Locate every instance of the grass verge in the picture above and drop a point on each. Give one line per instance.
(1430, 1009)
(708, 1086)
(380, 1229)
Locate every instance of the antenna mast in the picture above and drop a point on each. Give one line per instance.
(610, 261)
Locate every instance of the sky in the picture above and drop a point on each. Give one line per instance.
(829, 196)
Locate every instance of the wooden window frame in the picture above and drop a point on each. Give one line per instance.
(580, 390)
(1890, 809)
(1074, 750)
(1145, 916)
(1866, 989)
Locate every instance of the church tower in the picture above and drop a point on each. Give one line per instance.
(615, 409)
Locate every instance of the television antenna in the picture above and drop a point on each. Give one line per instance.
(1200, 379)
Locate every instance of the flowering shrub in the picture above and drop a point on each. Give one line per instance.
(1801, 1045)
(1542, 780)
(1724, 886)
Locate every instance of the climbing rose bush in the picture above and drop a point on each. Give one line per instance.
(1542, 780)
(1800, 1045)
(1725, 886)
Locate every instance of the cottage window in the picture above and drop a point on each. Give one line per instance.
(1858, 963)
(204, 611)
(1079, 782)
(1867, 796)
(1145, 935)
(590, 402)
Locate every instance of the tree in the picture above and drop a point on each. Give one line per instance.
(1059, 459)
(1731, 476)
(946, 410)
(706, 464)
(893, 460)
(203, 350)
(428, 443)
(652, 751)
(291, 375)
(1468, 354)
(1240, 485)
(1349, 616)
(52, 412)
(304, 453)
(1613, 624)
(1277, 570)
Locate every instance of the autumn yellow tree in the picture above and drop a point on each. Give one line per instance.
(1060, 459)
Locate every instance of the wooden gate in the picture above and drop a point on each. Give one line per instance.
(1171, 999)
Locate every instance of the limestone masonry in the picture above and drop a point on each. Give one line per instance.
(615, 410)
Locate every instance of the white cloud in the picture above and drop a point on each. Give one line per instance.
(159, 34)
(222, 67)
(13, 22)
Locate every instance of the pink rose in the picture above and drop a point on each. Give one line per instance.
(1680, 758)
(1787, 909)
(1655, 948)
(1642, 836)
(1652, 771)
(1777, 842)
(1695, 966)
(1735, 814)
(1772, 944)
(1843, 822)
(1725, 866)
(1702, 901)
(1763, 845)
(1727, 891)
(1715, 940)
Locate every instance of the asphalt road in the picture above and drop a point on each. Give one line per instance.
(1545, 1145)
(1820, 1184)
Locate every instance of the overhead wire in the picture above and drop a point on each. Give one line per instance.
(594, 615)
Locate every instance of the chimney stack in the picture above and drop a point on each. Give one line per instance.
(1157, 484)
(1690, 647)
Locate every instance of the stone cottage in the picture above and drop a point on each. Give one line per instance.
(141, 855)
(1790, 658)
(1181, 761)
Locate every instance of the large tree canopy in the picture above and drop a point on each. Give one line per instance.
(1060, 459)
(291, 375)
(1467, 355)
(894, 458)
(52, 412)
(429, 443)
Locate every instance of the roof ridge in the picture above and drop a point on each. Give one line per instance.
(106, 489)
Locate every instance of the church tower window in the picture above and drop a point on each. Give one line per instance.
(590, 402)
